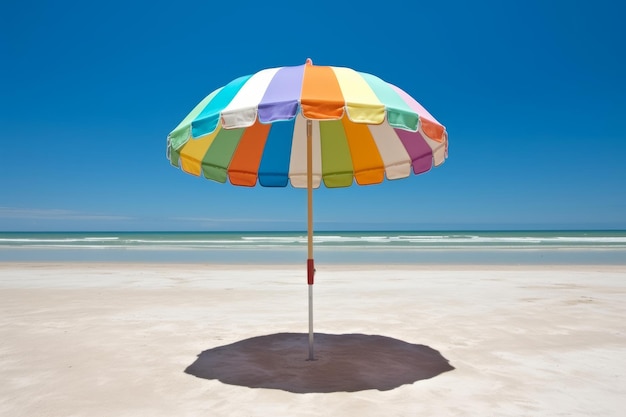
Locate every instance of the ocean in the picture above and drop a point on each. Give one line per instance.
(349, 247)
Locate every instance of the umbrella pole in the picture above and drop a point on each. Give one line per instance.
(310, 264)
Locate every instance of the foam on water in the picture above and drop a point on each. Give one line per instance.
(243, 247)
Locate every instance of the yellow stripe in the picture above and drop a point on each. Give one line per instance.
(362, 104)
(193, 152)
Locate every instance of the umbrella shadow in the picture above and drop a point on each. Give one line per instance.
(344, 363)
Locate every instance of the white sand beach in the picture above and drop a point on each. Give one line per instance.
(84, 339)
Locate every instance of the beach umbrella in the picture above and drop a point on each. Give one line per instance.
(306, 125)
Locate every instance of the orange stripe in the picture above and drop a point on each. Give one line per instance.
(244, 167)
(366, 160)
(321, 97)
(432, 130)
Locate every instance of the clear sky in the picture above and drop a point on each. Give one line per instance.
(533, 94)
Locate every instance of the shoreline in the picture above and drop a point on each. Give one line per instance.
(301, 266)
(296, 256)
(366, 247)
(297, 264)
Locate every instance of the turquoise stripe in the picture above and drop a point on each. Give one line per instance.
(182, 133)
(207, 121)
(399, 114)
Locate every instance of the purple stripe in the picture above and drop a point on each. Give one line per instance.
(282, 96)
(421, 154)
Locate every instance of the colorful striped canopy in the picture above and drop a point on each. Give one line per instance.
(254, 130)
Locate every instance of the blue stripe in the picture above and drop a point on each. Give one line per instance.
(274, 168)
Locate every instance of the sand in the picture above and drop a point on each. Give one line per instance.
(195, 340)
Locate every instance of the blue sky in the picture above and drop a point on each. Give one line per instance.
(533, 94)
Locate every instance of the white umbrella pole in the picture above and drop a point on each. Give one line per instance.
(310, 264)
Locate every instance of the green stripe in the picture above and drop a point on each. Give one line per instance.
(174, 157)
(216, 160)
(337, 169)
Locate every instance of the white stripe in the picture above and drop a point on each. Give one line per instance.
(395, 158)
(242, 110)
(297, 164)
(439, 148)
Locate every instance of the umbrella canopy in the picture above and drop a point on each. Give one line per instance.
(363, 129)
(304, 125)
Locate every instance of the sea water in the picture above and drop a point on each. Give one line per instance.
(349, 247)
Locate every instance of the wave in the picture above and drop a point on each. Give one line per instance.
(345, 240)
